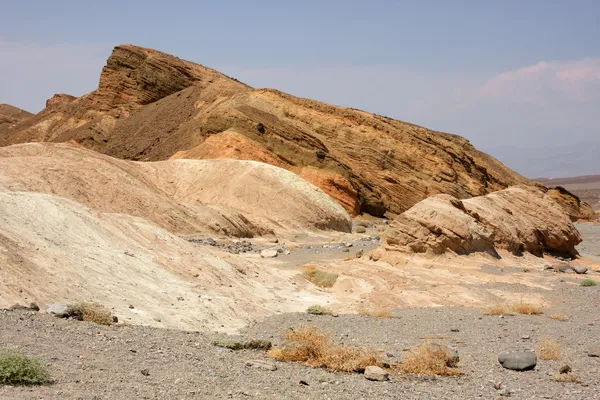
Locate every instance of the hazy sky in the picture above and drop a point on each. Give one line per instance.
(523, 73)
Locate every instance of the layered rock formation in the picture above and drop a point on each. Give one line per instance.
(151, 106)
(518, 219)
(226, 197)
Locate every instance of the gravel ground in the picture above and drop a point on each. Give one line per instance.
(95, 362)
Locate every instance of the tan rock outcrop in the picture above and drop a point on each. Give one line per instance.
(518, 219)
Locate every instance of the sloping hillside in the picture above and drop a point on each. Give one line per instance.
(10, 115)
(151, 106)
(224, 197)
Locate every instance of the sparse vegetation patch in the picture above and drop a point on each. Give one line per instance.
(314, 348)
(548, 349)
(430, 359)
(18, 369)
(319, 277)
(90, 312)
(588, 282)
(318, 310)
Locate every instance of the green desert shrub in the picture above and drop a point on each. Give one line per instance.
(588, 282)
(18, 369)
(319, 277)
(318, 310)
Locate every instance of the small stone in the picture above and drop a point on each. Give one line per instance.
(145, 372)
(115, 319)
(565, 369)
(580, 269)
(374, 373)
(348, 245)
(268, 253)
(565, 268)
(454, 330)
(525, 337)
(518, 360)
(131, 307)
(58, 310)
(360, 253)
(261, 364)
(593, 351)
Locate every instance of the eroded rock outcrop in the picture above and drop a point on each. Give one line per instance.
(518, 219)
(151, 106)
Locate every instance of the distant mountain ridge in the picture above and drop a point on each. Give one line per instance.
(576, 159)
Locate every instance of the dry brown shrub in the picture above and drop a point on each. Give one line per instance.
(568, 378)
(376, 312)
(91, 312)
(549, 349)
(498, 309)
(319, 277)
(430, 359)
(314, 348)
(558, 317)
(527, 308)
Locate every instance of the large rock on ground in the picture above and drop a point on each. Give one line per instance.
(518, 360)
(519, 219)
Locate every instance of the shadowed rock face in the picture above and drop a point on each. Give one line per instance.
(518, 219)
(152, 106)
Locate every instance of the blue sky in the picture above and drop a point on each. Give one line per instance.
(501, 73)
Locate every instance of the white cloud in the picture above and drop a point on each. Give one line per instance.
(547, 81)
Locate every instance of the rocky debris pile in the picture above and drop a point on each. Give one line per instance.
(519, 219)
(234, 247)
(567, 268)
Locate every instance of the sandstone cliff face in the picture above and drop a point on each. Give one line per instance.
(152, 106)
(518, 219)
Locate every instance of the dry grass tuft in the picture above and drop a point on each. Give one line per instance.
(430, 359)
(518, 308)
(91, 312)
(568, 378)
(549, 349)
(314, 348)
(528, 309)
(498, 309)
(558, 317)
(376, 312)
(319, 277)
